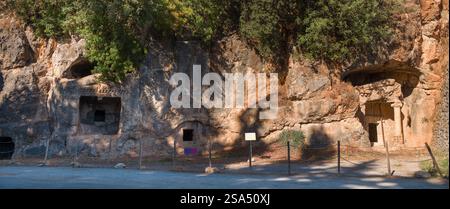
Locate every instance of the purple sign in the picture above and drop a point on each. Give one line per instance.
(190, 151)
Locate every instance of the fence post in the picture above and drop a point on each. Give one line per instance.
(46, 151)
(140, 153)
(289, 157)
(434, 159)
(388, 158)
(110, 149)
(75, 156)
(339, 155)
(209, 150)
(386, 143)
(174, 153)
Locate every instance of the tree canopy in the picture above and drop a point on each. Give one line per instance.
(116, 30)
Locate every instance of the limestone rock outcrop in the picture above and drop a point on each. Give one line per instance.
(16, 50)
(47, 91)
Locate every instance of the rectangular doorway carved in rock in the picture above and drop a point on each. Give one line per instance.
(99, 115)
(373, 135)
(377, 112)
(6, 148)
(188, 135)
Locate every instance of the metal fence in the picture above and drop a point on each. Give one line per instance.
(336, 158)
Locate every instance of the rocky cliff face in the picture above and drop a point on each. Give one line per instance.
(48, 92)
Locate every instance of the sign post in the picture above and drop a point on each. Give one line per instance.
(250, 137)
(250, 160)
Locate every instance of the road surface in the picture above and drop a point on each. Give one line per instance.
(67, 177)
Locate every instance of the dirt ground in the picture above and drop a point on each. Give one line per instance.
(273, 161)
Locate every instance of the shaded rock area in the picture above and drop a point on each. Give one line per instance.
(16, 50)
(440, 131)
(48, 92)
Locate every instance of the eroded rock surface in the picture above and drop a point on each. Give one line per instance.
(42, 81)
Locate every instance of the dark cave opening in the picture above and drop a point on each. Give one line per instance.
(188, 135)
(79, 69)
(6, 148)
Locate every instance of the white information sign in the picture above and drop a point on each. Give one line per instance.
(250, 136)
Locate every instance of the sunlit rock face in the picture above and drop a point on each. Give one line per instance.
(48, 91)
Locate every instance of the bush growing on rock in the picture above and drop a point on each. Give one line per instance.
(295, 138)
(116, 31)
(113, 29)
(340, 30)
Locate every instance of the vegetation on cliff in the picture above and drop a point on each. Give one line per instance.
(294, 137)
(116, 31)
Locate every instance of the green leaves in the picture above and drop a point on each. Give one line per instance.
(113, 29)
(327, 30)
(266, 24)
(197, 18)
(116, 30)
(45, 16)
(295, 138)
(111, 32)
(343, 30)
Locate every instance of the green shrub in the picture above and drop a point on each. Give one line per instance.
(295, 138)
(330, 30)
(340, 30)
(46, 17)
(259, 25)
(197, 18)
(111, 30)
(116, 30)
(267, 24)
(442, 161)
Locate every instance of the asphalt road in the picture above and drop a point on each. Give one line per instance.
(66, 177)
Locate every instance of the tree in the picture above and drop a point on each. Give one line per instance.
(116, 30)
(269, 25)
(340, 30)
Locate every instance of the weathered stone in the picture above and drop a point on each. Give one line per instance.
(441, 126)
(76, 164)
(301, 85)
(430, 46)
(120, 165)
(233, 55)
(65, 55)
(15, 50)
(422, 174)
(40, 97)
(129, 147)
(387, 90)
(429, 10)
(210, 170)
